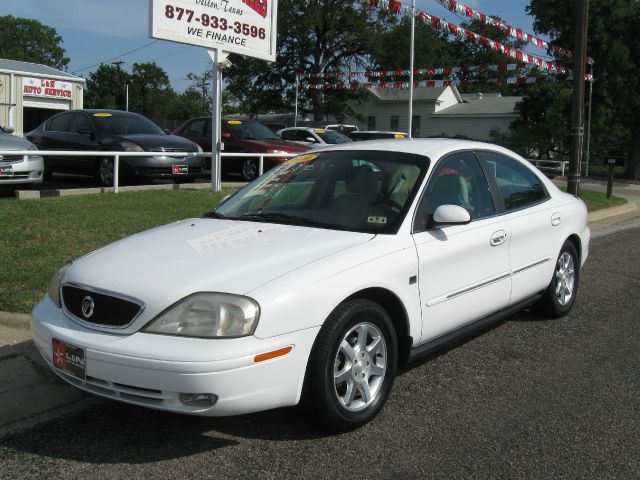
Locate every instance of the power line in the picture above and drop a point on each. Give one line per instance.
(116, 57)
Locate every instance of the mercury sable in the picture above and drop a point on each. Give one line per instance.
(316, 281)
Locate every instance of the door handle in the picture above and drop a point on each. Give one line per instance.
(556, 219)
(498, 238)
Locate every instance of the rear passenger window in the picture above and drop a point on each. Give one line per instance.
(518, 185)
(59, 123)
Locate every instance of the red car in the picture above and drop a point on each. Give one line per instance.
(240, 135)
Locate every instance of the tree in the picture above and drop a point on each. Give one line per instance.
(106, 88)
(150, 91)
(314, 37)
(613, 28)
(29, 40)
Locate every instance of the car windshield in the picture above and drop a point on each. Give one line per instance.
(119, 124)
(329, 136)
(360, 191)
(250, 130)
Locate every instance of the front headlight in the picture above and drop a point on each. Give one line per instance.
(208, 315)
(130, 146)
(54, 285)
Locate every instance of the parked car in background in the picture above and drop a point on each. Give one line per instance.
(18, 169)
(115, 130)
(240, 135)
(375, 135)
(313, 137)
(317, 281)
(342, 128)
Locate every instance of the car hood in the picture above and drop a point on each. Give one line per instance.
(283, 145)
(164, 265)
(153, 142)
(11, 142)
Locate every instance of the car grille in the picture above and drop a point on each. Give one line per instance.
(110, 311)
(7, 159)
(172, 149)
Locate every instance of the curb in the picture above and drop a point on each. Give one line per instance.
(67, 192)
(612, 212)
(15, 320)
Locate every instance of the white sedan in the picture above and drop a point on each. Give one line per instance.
(18, 169)
(315, 282)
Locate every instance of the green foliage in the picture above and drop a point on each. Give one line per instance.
(612, 42)
(29, 40)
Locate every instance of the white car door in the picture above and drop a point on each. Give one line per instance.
(533, 221)
(464, 271)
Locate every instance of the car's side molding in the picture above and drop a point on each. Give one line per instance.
(443, 341)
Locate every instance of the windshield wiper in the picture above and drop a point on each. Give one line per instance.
(276, 217)
(213, 214)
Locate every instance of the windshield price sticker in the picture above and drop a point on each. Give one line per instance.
(246, 27)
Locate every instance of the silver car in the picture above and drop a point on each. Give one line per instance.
(18, 169)
(313, 137)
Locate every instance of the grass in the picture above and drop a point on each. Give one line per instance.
(598, 200)
(39, 236)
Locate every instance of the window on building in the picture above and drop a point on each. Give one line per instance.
(415, 126)
(395, 122)
(371, 123)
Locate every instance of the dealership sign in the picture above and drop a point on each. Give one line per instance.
(247, 27)
(42, 87)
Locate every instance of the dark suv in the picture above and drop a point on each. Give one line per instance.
(240, 135)
(115, 130)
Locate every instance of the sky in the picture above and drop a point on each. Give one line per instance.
(96, 31)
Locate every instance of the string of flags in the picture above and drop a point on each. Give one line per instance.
(396, 7)
(455, 6)
(514, 80)
(422, 71)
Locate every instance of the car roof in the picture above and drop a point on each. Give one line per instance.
(430, 147)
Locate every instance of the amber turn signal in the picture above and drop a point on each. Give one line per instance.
(269, 355)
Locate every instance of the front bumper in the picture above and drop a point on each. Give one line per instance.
(122, 368)
(161, 167)
(29, 170)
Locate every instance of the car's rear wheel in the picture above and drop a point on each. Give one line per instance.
(104, 172)
(561, 293)
(352, 366)
(249, 169)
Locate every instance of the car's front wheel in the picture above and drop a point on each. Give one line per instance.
(561, 292)
(352, 366)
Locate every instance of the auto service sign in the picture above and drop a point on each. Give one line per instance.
(42, 87)
(247, 27)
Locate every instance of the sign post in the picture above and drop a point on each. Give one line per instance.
(612, 162)
(244, 27)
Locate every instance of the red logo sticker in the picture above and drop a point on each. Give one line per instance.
(259, 6)
(59, 355)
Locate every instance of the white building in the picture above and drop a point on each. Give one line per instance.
(30, 93)
(436, 112)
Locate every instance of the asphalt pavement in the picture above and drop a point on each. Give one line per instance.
(530, 398)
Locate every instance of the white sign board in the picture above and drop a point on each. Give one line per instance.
(42, 87)
(247, 27)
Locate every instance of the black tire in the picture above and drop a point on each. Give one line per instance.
(322, 391)
(104, 172)
(47, 172)
(249, 169)
(555, 303)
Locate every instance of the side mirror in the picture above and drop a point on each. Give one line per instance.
(166, 131)
(451, 215)
(310, 139)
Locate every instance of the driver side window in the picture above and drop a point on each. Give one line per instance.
(456, 180)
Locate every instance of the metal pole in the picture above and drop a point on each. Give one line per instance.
(127, 97)
(216, 116)
(413, 29)
(577, 129)
(295, 117)
(587, 153)
(116, 172)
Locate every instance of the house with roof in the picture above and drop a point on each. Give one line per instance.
(436, 112)
(30, 93)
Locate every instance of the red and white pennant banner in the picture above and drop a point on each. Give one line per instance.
(397, 8)
(518, 80)
(517, 33)
(505, 67)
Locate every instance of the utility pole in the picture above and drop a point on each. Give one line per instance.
(577, 129)
(118, 64)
